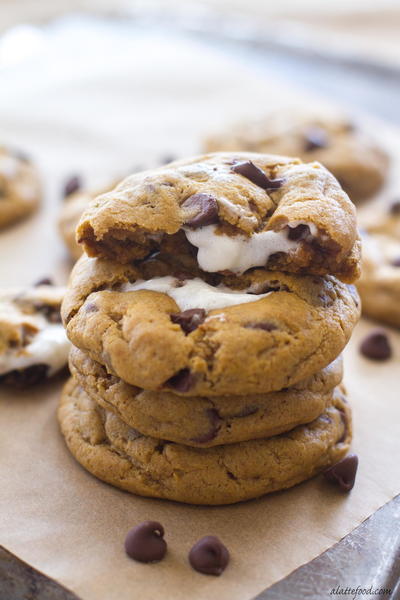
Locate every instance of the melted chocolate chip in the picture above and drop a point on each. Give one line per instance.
(299, 232)
(183, 381)
(249, 170)
(52, 313)
(25, 377)
(202, 210)
(343, 473)
(395, 208)
(190, 319)
(264, 325)
(215, 421)
(209, 556)
(44, 281)
(376, 346)
(72, 185)
(146, 543)
(315, 138)
(344, 420)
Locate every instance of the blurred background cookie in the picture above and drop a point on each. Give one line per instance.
(357, 160)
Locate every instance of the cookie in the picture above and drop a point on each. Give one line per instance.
(230, 212)
(20, 190)
(379, 286)
(148, 466)
(358, 162)
(71, 211)
(253, 334)
(33, 344)
(205, 422)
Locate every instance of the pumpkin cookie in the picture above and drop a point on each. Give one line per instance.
(229, 212)
(358, 162)
(20, 190)
(119, 455)
(252, 334)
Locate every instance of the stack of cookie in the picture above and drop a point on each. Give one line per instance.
(207, 317)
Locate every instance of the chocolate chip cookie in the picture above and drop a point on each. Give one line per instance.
(72, 209)
(229, 212)
(379, 286)
(357, 160)
(20, 189)
(119, 455)
(252, 334)
(33, 344)
(206, 422)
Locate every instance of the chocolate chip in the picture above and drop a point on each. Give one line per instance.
(72, 185)
(344, 420)
(25, 377)
(395, 208)
(376, 346)
(215, 421)
(202, 210)
(145, 542)
(249, 170)
(396, 262)
(315, 138)
(44, 281)
(190, 319)
(91, 307)
(344, 472)
(209, 556)
(183, 381)
(264, 325)
(52, 313)
(299, 232)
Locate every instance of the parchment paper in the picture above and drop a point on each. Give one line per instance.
(131, 99)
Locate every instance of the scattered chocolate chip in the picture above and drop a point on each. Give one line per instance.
(299, 232)
(167, 158)
(261, 325)
(202, 210)
(344, 420)
(145, 542)
(314, 138)
(215, 421)
(183, 381)
(190, 319)
(376, 345)
(249, 170)
(72, 185)
(344, 472)
(394, 208)
(44, 281)
(396, 262)
(209, 556)
(52, 313)
(25, 377)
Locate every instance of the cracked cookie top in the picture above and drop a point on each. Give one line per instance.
(229, 213)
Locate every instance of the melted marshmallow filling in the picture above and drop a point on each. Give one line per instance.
(194, 293)
(49, 345)
(220, 252)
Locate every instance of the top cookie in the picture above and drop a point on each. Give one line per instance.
(236, 210)
(20, 189)
(357, 161)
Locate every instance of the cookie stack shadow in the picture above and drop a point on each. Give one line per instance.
(201, 387)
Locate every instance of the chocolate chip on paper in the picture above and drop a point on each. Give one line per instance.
(343, 473)
(145, 542)
(376, 346)
(209, 556)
